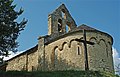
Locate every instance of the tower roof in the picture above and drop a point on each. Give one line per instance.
(85, 27)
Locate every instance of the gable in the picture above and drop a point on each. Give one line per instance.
(59, 20)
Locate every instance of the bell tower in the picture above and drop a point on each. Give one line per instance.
(60, 21)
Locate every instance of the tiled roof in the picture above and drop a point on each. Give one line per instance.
(85, 27)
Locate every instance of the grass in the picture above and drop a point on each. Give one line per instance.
(69, 73)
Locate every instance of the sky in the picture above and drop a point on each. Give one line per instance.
(103, 15)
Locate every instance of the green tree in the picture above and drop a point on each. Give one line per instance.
(9, 28)
(117, 69)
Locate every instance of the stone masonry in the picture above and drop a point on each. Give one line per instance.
(60, 50)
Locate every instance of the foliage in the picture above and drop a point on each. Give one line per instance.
(117, 69)
(69, 73)
(9, 27)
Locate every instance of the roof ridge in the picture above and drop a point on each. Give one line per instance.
(83, 26)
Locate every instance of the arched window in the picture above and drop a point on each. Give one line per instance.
(68, 27)
(68, 24)
(63, 14)
(59, 25)
(79, 49)
(56, 57)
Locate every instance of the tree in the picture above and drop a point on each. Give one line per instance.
(117, 69)
(9, 27)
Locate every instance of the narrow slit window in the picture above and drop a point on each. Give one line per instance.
(78, 50)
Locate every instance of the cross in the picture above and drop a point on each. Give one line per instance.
(85, 42)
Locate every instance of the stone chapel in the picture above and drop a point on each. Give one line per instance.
(66, 47)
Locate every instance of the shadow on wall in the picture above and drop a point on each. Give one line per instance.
(63, 64)
(57, 64)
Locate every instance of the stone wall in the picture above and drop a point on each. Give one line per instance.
(25, 61)
(67, 53)
(100, 54)
(63, 55)
(33, 61)
(18, 63)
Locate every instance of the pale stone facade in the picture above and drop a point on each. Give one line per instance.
(25, 61)
(61, 50)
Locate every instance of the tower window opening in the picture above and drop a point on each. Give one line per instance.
(63, 14)
(60, 25)
(68, 27)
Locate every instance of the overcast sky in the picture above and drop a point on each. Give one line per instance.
(103, 15)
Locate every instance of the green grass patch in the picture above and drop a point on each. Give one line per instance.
(69, 73)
